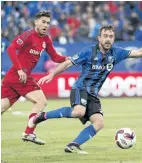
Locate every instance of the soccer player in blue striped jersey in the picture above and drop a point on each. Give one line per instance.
(97, 62)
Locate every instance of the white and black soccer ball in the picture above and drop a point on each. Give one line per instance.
(125, 138)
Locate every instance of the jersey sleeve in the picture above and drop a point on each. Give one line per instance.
(121, 54)
(81, 57)
(52, 52)
(18, 43)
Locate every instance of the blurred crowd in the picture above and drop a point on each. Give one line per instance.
(74, 21)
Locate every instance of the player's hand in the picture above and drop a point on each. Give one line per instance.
(46, 79)
(22, 76)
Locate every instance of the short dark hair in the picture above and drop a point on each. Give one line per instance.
(106, 27)
(42, 13)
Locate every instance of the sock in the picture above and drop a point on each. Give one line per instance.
(29, 130)
(85, 135)
(59, 113)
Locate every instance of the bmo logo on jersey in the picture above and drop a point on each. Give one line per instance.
(35, 52)
(109, 67)
(98, 67)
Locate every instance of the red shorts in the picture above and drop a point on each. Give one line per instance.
(14, 89)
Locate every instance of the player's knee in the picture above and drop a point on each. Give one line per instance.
(43, 102)
(4, 107)
(81, 114)
(2, 110)
(99, 124)
(78, 111)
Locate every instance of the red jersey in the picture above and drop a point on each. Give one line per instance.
(29, 46)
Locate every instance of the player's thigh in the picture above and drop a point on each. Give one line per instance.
(31, 91)
(78, 100)
(78, 111)
(93, 106)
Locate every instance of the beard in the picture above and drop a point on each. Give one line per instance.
(106, 46)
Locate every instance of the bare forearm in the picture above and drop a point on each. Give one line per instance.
(136, 53)
(140, 52)
(62, 67)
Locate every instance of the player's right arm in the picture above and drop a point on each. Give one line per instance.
(60, 68)
(17, 44)
(13, 56)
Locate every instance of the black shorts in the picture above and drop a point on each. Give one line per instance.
(92, 104)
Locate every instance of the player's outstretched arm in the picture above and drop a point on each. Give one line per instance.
(60, 68)
(136, 53)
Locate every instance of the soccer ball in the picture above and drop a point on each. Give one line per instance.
(125, 138)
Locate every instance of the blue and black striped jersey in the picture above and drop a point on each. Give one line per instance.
(96, 66)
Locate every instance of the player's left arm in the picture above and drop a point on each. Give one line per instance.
(136, 53)
(121, 54)
(53, 54)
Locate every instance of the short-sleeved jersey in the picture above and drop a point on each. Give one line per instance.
(96, 66)
(29, 46)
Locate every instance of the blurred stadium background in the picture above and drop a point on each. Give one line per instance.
(73, 26)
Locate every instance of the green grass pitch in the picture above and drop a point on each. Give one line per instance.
(118, 113)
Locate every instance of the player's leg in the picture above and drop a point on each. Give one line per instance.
(33, 93)
(78, 103)
(94, 114)
(39, 103)
(64, 112)
(5, 105)
(86, 134)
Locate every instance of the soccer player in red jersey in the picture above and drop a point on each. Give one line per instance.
(18, 82)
